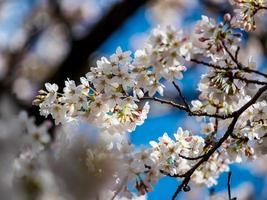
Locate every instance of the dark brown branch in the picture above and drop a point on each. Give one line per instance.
(250, 81)
(192, 158)
(204, 159)
(207, 64)
(237, 52)
(170, 175)
(245, 69)
(229, 185)
(265, 135)
(238, 137)
(236, 77)
(182, 107)
(181, 95)
(240, 65)
(163, 101)
(230, 129)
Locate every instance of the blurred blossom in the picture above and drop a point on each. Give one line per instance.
(32, 167)
(23, 89)
(41, 37)
(33, 68)
(81, 13)
(84, 164)
(18, 40)
(14, 127)
(253, 48)
(52, 46)
(259, 166)
(168, 12)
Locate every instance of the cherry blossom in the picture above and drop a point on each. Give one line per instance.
(113, 97)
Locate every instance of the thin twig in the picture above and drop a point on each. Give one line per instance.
(229, 185)
(190, 113)
(182, 107)
(192, 158)
(207, 64)
(163, 101)
(251, 81)
(237, 52)
(170, 175)
(238, 64)
(181, 95)
(245, 69)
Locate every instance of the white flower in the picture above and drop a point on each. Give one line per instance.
(53, 88)
(71, 92)
(207, 128)
(59, 113)
(52, 93)
(121, 57)
(197, 105)
(155, 87)
(141, 58)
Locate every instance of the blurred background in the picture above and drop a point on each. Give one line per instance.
(51, 40)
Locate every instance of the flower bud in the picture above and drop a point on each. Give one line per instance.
(227, 17)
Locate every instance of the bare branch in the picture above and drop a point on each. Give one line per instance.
(182, 96)
(237, 52)
(244, 68)
(190, 158)
(251, 81)
(229, 185)
(182, 107)
(238, 64)
(163, 101)
(207, 64)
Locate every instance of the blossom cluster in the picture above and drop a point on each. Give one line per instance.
(225, 88)
(245, 13)
(212, 37)
(173, 157)
(110, 95)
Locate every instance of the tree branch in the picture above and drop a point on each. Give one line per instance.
(230, 129)
(184, 108)
(229, 185)
(182, 96)
(245, 69)
(240, 65)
